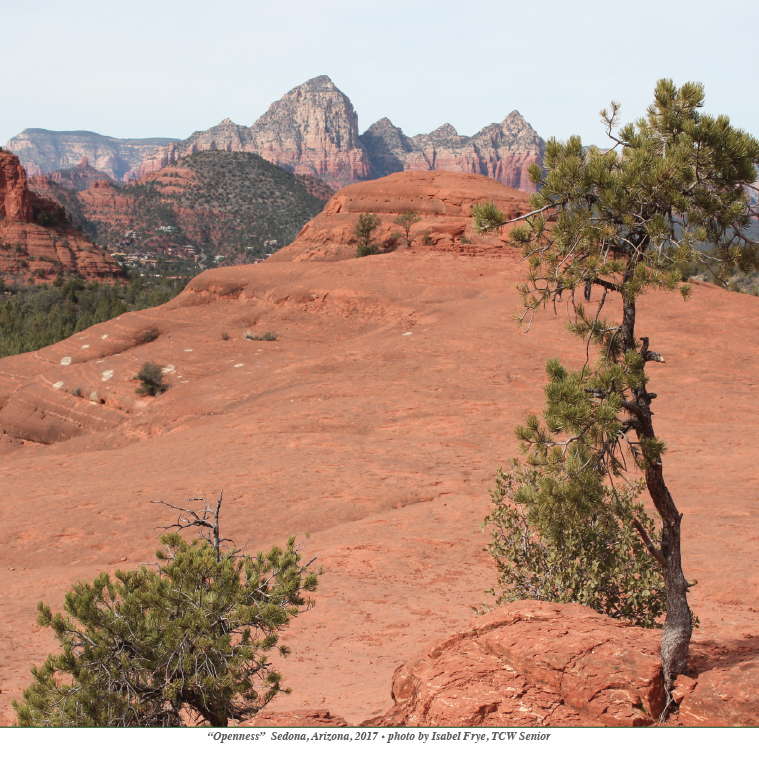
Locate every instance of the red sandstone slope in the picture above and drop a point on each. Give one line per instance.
(443, 199)
(375, 422)
(28, 248)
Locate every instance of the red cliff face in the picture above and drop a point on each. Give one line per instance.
(15, 204)
(45, 248)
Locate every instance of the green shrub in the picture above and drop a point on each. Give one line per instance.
(151, 380)
(366, 226)
(77, 391)
(595, 558)
(190, 637)
(224, 336)
(427, 240)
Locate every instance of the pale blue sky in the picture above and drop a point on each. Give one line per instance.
(164, 68)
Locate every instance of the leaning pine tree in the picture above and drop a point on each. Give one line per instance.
(672, 191)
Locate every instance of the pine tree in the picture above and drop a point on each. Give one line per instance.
(672, 191)
(366, 226)
(406, 221)
(187, 640)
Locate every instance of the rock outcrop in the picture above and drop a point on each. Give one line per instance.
(533, 663)
(80, 176)
(15, 203)
(442, 199)
(42, 151)
(35, 237)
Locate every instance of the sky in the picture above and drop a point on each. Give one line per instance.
(164, 68)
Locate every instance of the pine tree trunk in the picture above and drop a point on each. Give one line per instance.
(675, 640)
(678, 627)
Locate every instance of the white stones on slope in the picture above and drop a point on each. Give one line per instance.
(57, 384)
(239, 365)
(408, 333)
(188, 350)
(168, 369)
(66, 360)
(105, 336)
(107, 374)
(85, 346)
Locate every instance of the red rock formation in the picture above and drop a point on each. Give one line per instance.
(444, 201)
(533, 663)
(376, 423)
(15, 204)
(78, 177)
(28, 248)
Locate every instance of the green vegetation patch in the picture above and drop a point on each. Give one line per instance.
(36, 316)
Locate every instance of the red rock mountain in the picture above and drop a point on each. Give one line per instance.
(35, 236)
(79, 177)
(376, 422)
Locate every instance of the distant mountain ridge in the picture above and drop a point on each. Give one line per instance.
(313, 131)
(42, 151)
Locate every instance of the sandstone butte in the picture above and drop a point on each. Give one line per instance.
(376, 423)
(28, 248)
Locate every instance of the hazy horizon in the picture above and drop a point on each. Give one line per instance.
(168, 69)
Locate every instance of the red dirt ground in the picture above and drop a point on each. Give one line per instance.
(376, 422)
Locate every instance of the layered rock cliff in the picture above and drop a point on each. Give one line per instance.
(36, 238)
(43, 151)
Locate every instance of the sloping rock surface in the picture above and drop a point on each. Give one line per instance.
(443, 201)
(375, 422)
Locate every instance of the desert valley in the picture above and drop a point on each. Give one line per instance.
(375, 420)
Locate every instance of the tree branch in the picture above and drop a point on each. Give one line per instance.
(658, 556)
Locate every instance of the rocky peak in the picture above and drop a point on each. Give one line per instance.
(313, 130)
(387, 147)
(518, 134)
(317, 84)
(446, 131)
